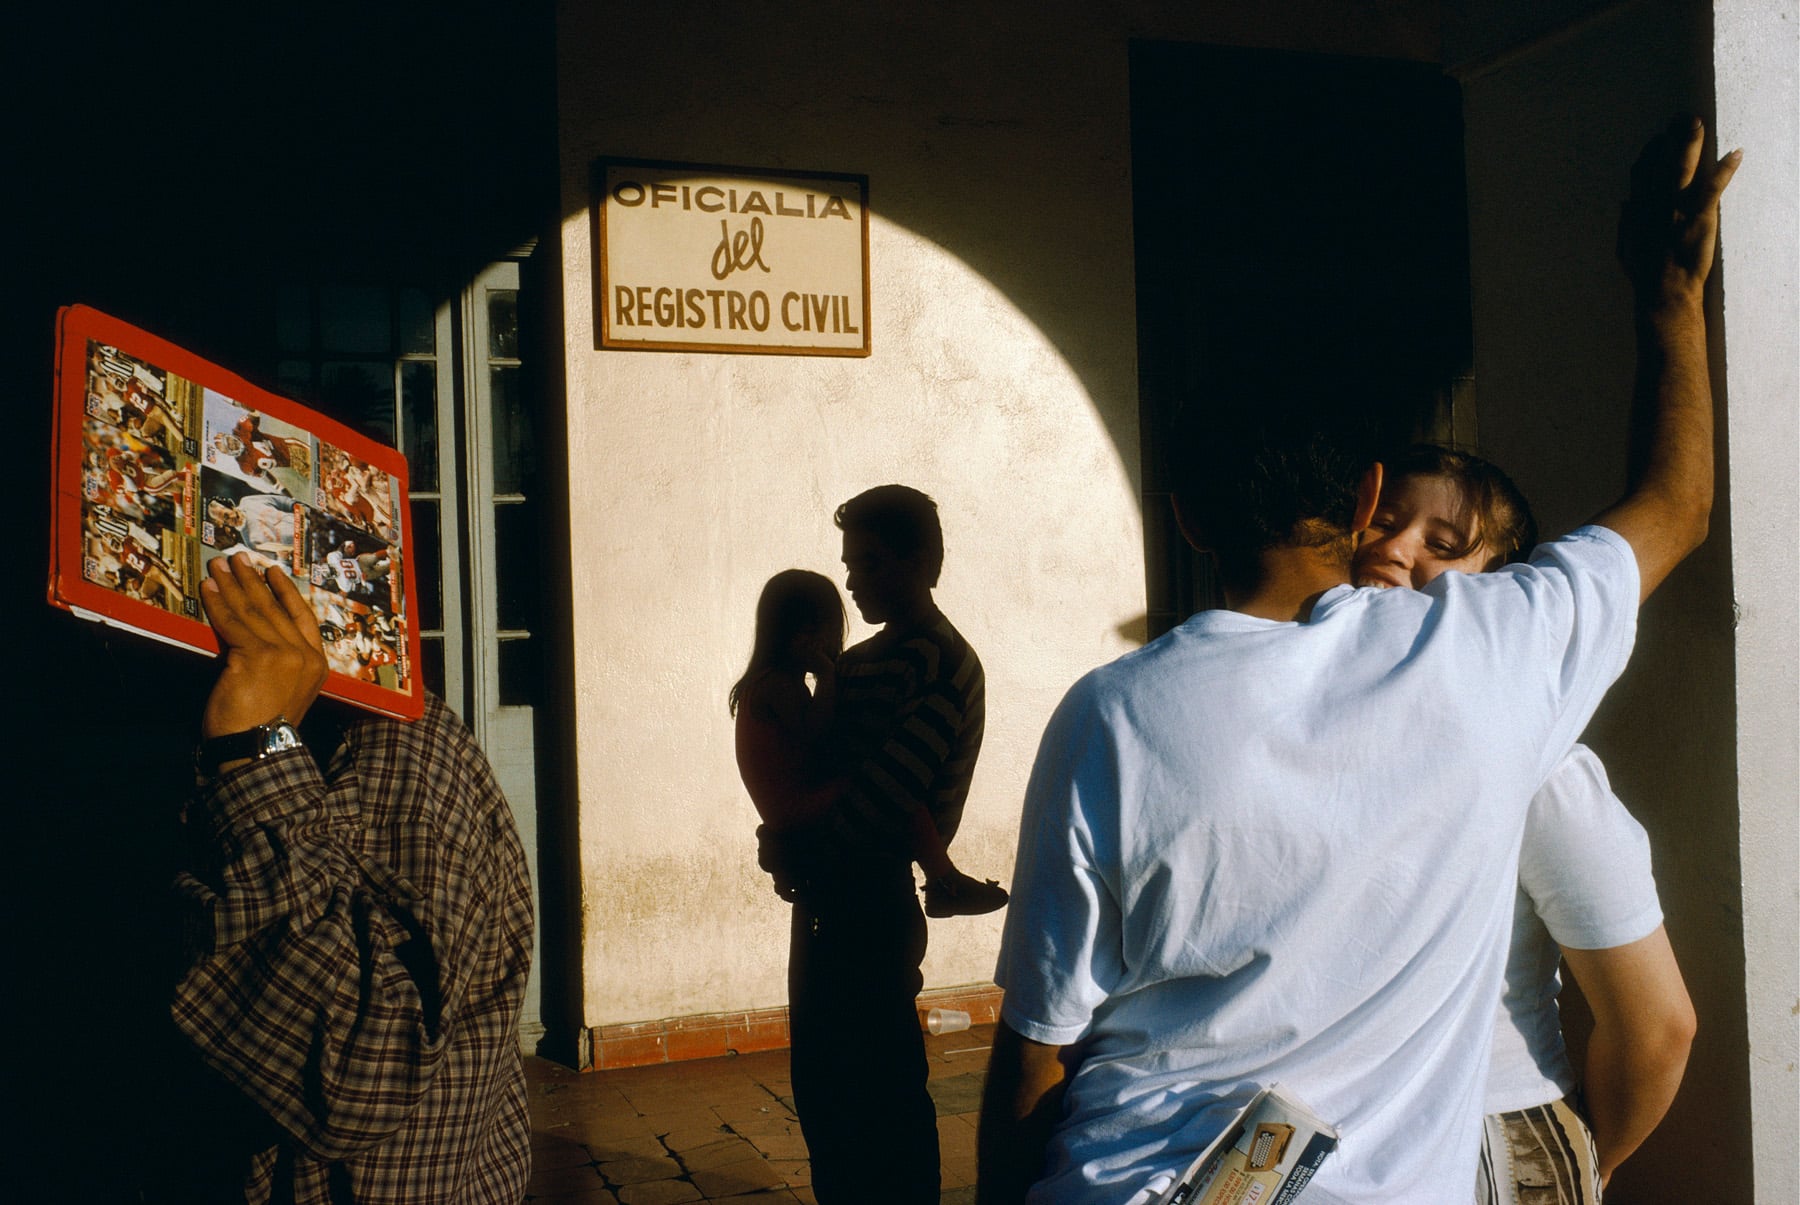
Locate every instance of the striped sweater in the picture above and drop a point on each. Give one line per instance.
(911, 708)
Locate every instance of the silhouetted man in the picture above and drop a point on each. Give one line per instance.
(910, 714)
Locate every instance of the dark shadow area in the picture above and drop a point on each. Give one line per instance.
(1301, 232)
(178, 168)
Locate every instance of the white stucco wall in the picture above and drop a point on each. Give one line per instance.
(993, 150)
(1756, 57)
(1699, 734)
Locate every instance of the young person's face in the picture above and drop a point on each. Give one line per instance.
(1422, 526)
(880, 583)
(815, 640)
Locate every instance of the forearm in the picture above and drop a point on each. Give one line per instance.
(1668, 504)
(794, 806)
(1668, 233)
(1021, 1103)
(1643, 1028)
(1629, 1083)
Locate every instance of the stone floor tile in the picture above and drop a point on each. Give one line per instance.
(564, 1180)
(780, 1146)
(729, 1149)
(689, 1113)
(746, 1175)
(554, 1153)
(692, 1137)
(795, 1173)
(634, 1171)
(613, 1147)
(776, 1121)
(659, 1192)
(957, 1093)
(711, 1110)
(623, 1131)
(749, 1108)
(585, 1196)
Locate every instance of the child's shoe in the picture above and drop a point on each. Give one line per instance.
(956, 894)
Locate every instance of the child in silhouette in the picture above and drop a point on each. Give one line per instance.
(782, 730)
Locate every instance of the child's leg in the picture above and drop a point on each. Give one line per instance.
(928, 845)
(948, 891)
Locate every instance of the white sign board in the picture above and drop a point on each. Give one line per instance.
(692, 257)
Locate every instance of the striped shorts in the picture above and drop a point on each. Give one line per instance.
(1538, 1156)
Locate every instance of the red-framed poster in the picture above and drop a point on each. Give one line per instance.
(163, 461)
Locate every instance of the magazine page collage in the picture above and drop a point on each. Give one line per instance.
(174, 474)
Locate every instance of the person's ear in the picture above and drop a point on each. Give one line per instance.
(1192, 534)
(1368, 494)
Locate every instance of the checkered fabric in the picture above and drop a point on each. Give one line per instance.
(362, 939)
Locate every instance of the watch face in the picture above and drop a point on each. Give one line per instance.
(281, 737)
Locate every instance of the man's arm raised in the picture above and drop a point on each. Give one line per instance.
(1668, 233)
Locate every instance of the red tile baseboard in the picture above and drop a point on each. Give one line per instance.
(712, 1035)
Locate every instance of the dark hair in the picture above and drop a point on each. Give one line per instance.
(1260, 473)
(1503, 521)
(903, 519)
(791, 601)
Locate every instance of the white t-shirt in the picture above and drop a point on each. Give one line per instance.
(1584, 883)
(1237, 866)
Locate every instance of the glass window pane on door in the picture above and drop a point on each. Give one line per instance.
(419, 423)
(417, 319)
(519, 672)
(431, 652)
(515, 451)
(361, 394)
(503, 324)
(515, 565)
(355, 320)
(427, 565)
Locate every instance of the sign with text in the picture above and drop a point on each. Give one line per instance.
(695, 257)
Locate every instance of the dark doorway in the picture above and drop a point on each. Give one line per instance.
(1301, 227)
(292, 192)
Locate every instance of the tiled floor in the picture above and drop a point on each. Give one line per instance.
(716, 1129)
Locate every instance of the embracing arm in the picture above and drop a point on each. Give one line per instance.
(1020, 1106)
(1667, 237)
(775, 754)
(1643, 1027)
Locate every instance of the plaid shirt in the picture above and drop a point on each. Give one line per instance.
(364, 937)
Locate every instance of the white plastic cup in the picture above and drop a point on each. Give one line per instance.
(946, 1020)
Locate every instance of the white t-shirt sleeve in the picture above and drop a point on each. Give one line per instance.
(1060, 956)
(1584, 594)
(1585, 861)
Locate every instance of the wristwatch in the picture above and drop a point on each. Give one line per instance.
(264, 740)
